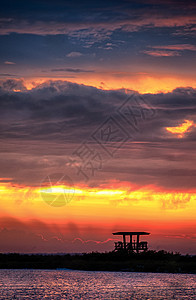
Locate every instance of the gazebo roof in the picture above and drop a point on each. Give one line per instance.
(130, 233)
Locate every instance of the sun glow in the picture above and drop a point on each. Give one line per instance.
(181, 129)
(141, 82)
(86, 203)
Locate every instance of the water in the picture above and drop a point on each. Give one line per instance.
(66, 284)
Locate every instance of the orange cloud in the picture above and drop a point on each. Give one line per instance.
(181, 129)
(96, 205)
(141, 82)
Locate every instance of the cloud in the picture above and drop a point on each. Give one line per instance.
(162, 53)
(40, 128)
(72, 70)
(181, 129)
(56, 102)
(13, 85)
(188, 31)
(74, 54)
(9, 62)
(5, 179)
(7, 75)
(169, 50)
(176, 200)
(97, 21)
(36, 236)
(176, 47)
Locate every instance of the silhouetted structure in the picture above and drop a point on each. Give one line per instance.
(131, 246)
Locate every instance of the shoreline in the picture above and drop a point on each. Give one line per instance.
(150, 261)
(102, 271)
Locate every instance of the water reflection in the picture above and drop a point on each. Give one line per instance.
(49, 284)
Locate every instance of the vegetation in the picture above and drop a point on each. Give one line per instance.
(150, 261)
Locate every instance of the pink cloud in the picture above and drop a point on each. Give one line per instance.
(96, 29)
(161, 53)
(176, 47)
(9, 62)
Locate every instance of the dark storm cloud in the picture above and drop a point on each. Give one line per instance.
(12, 84)
(42, 127)
(53, 107)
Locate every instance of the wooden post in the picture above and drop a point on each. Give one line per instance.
(138, 241)
(131, 246)
(124, 241)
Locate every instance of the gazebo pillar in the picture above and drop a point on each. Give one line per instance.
(124, 241)
(131, 242)
(138, 241)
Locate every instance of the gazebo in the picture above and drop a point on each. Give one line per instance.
(132, 245)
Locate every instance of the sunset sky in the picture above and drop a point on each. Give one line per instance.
(98, 124)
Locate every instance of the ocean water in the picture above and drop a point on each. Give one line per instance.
(66, 284)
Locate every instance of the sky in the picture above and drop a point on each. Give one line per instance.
(98, 124)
